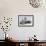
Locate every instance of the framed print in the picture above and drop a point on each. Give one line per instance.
(25, 20)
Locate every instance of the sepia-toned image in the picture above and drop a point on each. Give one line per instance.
(22, 22)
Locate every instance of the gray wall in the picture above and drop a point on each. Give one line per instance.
(13, 8)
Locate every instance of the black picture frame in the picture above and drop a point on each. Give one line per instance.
(25, 20)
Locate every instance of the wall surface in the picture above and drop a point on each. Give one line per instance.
(13, 8)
